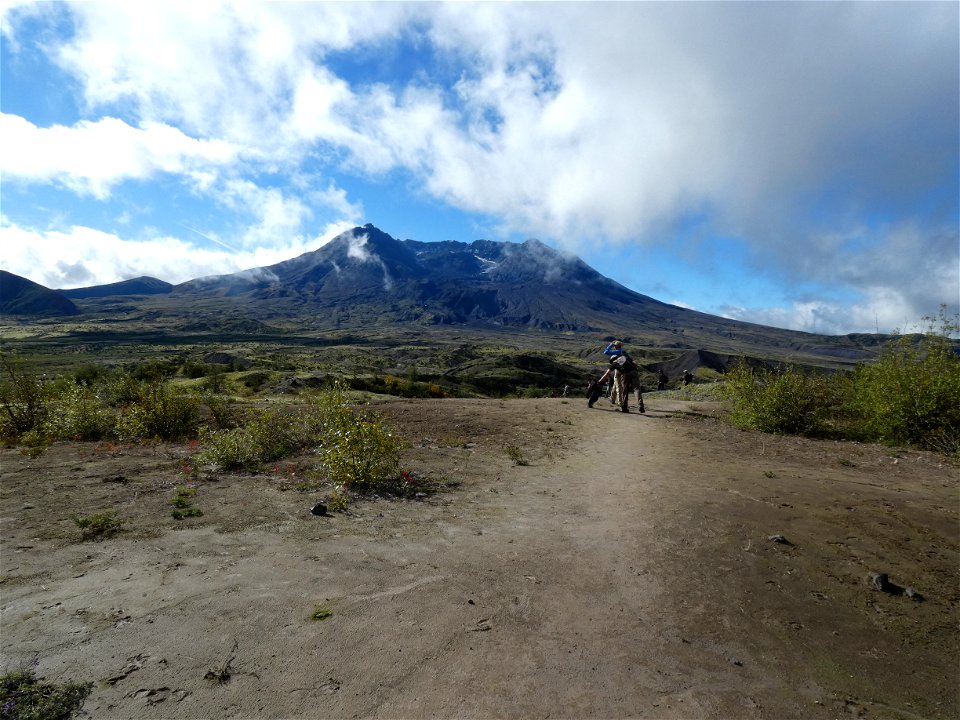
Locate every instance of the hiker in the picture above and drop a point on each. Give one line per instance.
(613, 351)
(687, 377)
(627, 379)
(662, 380)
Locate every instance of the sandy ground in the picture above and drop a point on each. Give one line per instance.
(626, 571)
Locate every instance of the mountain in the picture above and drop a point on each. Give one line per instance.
(502, 284)
(20, 296)
(143, 285)
(365, 278)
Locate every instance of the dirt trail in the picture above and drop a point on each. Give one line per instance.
(626, 571)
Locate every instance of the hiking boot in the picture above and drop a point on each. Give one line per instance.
(590, 403)
(626, 410)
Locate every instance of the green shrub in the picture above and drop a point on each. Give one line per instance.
(34, 443)
(121, 388)
(265, 435)
(24, 697)
(321, 612)
(911, 394)
(360, 453)
(159, 413)
(99, 526)
(155, 371)
(195, 370)
(221, 410)
(78, 414)
(22, 401)
(183, 502)
(789, 401)
(90, 375)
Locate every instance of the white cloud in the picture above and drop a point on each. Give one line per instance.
(81, 256)
(789, 126)
(92, 157)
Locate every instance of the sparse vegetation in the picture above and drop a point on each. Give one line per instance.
(516, 455)
(183, 504)
(23, 696)
(99, 526)
(321, 612)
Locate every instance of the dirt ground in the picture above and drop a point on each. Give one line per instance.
(627, 570)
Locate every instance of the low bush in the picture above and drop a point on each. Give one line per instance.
(183, 504)
(78, 414)
(99, 526)
(22, 402)
(790, 401)
(361, 454)
(159, 413)
(910, 395)
(263, 436)
(25, 697)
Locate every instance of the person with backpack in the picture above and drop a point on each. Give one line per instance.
(627, 379)
(613, 351)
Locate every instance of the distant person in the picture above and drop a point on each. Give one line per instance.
(662, 380)
(687, 377)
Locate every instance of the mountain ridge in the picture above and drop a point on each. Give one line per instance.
(365, 278)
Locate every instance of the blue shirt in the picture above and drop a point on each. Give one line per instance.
(613, 351)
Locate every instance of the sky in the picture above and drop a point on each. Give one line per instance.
(790, 164)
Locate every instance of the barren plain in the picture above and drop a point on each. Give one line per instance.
(662, 565)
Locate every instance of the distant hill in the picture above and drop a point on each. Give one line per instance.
(143, 285)
(20, 296)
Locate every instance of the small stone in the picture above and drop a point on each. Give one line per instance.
(779, 539)
(879, 581)
(319, 509)
(913, 594)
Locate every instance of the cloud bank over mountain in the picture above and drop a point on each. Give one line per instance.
(809, 149)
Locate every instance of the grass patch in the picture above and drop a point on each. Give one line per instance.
(320, 613)
(516, 455)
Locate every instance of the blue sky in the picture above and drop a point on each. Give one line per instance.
(793, 164)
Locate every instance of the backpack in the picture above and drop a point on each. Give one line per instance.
(625, 363)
